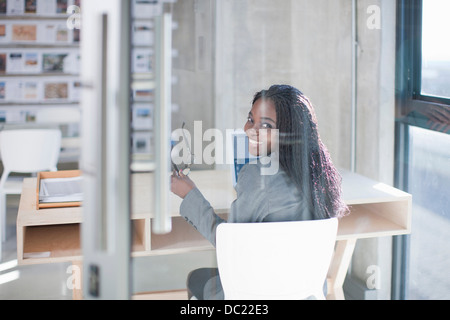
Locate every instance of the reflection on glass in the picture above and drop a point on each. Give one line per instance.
(436, 48)
(429, 184)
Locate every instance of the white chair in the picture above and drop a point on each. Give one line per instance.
(25, 151)
(275, 260)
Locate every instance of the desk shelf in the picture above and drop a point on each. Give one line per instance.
(141, 242)
(38, 244)
(183, 237)
(50, 242)
(53, 235)
(374, 220)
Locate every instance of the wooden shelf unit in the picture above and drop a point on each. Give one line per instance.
(53, 235)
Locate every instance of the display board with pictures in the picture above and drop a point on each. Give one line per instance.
(143, 64)
(38, 32)
(37, 7)
(40, 65)
(40, 61)
(142, 67)
(39, 90)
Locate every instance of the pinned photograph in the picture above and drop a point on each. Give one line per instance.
(142, 117)
(31, 60)
(142, 142)
(62, 34)
(30, 6)
(2, 6)
(30, 116)
(53, 62)
(30, 91)
(143, 94)
(2, 90)
(2, 116)
(61, 6)
(15, 62)
(142, 62)
(56, 91)
(24, 32)
(76, 35)
(2, 62)
(2, 31)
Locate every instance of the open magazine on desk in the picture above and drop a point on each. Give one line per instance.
(59, 189)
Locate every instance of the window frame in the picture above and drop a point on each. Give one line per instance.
(409, 71)
(418, 98)
(411, 110)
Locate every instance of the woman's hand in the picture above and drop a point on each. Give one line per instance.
(181, 184)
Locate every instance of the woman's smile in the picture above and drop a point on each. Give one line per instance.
(254, 142)
(261, 120)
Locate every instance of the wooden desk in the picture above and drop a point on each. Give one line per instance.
(53, 235)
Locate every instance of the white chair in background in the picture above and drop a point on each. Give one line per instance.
(25, 151)
(275, 260)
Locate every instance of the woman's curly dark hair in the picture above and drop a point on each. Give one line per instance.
(302, 154)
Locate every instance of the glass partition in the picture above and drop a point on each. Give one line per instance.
(429, 176)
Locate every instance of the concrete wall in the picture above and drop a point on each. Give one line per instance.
(298, 42)
(193, 64)
(376, 127)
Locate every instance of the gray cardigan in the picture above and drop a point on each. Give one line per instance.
(260, 198)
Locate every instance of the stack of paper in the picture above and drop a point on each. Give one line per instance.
(60, 190)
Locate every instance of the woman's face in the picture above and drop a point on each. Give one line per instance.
(261, 120)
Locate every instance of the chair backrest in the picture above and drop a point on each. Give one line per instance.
(275, 260)
(30, 150)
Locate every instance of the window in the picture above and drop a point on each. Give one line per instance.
(429, 184)
(435, 73)
(422, 259)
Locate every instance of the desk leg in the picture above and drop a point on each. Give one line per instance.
(77, 275)
(338, 268)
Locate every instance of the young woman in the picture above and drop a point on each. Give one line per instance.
(307, 186)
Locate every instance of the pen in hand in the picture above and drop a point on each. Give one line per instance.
(181, 184)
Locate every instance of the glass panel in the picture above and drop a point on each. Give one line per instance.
(435, 48)
(224, 52)
(162, 261)
(429, 182)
